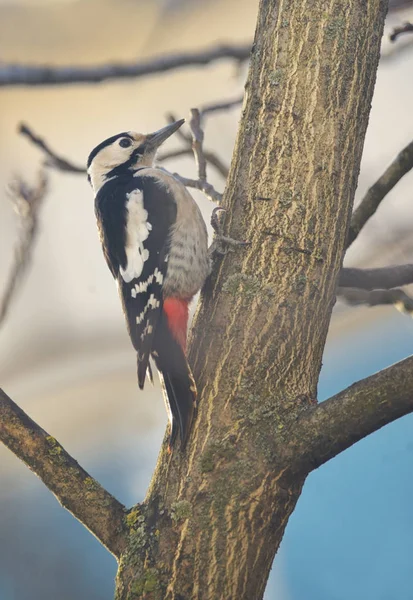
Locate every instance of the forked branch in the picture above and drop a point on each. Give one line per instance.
(374, 287)
(395, 296)
(197, 137)
(27, 201)
(75, 489)
(336, 424)
(60, 163)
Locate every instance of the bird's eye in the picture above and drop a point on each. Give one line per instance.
(125, 143)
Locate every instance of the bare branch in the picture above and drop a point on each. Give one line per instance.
(402, 164)
(395, 5)
(27, 203)
(332, 426)
(197, 142)
(74, 488)
(197, 139)
(205, 187)
(52, 159)
(220, 106)
(395, 296)
(383, 278)
(216, 162)
(210, 157)
(16, 74)
(185, 137)
(397, 31)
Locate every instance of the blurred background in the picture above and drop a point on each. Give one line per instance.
(65, 357)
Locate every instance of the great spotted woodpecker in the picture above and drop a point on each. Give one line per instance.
(155, 243)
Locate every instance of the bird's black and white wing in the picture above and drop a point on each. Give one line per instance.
(137, 253)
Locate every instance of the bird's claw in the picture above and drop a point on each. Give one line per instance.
(222, 244)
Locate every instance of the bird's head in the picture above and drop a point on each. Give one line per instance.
(124, 152)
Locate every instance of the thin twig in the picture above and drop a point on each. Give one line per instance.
(210, 157)
(55, 161)
(52, 159)
(17, 74)
(220, 106)
(397, 31)
(205, 187)
(382, 278)
(197, 141)
(185, 137)
(169, 154)
(398, 298)
(75, 489)
(402, 164)
(27, 203)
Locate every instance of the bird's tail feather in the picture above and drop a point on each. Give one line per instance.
(178, 382)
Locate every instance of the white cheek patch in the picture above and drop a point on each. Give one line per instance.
(152, 303)
(137, 231)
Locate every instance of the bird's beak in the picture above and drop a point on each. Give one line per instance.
(154, 140)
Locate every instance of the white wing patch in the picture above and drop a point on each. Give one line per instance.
(137, 231)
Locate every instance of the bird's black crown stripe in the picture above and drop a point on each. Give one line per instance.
(105, 143)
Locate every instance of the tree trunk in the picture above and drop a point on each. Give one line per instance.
(215, 515)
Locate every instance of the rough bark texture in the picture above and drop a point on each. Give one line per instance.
(352, 414)
(214, 517)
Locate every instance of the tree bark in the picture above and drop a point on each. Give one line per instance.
(215, 515)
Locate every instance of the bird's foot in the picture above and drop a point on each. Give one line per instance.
(221, 243)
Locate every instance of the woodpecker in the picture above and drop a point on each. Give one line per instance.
(154, 240)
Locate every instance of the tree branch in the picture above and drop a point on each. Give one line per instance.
(205, 187)
(197, 143)
(369, 279)
(197, 138)
(336, 424)
(27, 202)
(397, 31)
(397, 297)
(56, 161)
(15, 74)
(220, 106)
(74, 488)
(210, 157)
(52, 159)
(402, 164)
